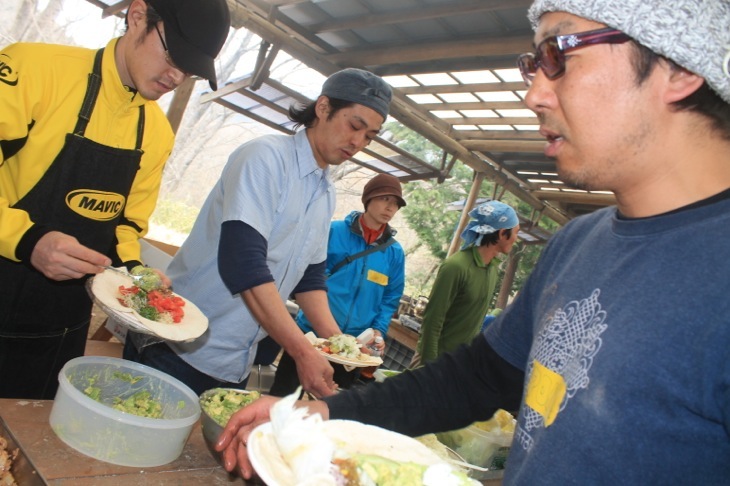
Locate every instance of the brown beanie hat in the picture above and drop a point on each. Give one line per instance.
(383, 185)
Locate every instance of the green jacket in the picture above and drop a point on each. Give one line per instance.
(458, 303)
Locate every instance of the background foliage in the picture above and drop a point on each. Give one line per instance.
(427, 214)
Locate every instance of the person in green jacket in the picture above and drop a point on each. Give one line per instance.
(466, 282)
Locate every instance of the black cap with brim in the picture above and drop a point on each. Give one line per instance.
(195, 31)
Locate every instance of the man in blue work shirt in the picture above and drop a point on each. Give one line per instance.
(261, 237)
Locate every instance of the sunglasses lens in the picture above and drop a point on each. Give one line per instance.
(528, 67)
(551, 59)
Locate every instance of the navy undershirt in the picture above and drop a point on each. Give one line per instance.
(242, 261)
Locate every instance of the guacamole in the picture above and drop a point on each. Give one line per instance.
(221, 403)
(141, 403)
(385, 472)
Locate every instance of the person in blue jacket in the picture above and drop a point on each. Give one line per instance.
(363, 291)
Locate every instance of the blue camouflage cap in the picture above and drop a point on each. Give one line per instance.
(487, 218)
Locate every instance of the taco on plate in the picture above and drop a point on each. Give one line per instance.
(296, 449)
(105, 287)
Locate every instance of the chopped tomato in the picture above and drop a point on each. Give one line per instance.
(169, 303)
(153, 303)
(128, 290)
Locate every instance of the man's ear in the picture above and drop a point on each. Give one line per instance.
(681, 84)
(137, 13)
(322, 107)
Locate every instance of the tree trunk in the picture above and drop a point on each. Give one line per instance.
(33, 25)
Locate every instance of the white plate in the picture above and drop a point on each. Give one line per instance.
(104, 287)
(352, 437)
(363, 362)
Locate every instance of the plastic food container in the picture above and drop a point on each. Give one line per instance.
(93, 427)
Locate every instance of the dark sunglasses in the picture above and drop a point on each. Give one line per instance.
(550, 53)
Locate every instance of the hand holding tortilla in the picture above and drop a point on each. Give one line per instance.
(300, 449)
(105, 287)
(233, 440)
(343, 349)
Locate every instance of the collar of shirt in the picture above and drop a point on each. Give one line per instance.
(117, 94)
(478, 260)
(370, 235)
(308, 167)
(305, 156)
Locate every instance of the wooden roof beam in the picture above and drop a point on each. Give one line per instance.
(110, 10)
(286, 3)
(492, 46)
(241, 10)
(467, 135)
(464, 88)
(504, 145)
(416, 14)
(577, 197)
(511, 120)
(401, 108)
(475, 105)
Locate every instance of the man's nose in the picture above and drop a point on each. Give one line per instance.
(177, 76)
(539, 92)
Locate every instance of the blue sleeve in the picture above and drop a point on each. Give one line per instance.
(313, 278)
(242, 257)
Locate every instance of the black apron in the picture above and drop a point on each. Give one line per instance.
(43, 322)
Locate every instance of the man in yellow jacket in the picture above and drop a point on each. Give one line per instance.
(82, 145)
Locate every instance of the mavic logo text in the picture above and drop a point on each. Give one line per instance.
(7, 75)
(97, 205)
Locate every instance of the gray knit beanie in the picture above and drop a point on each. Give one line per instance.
(693, 33)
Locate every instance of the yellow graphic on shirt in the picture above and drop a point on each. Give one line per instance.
(96, 205)
(545, 392)
(377, 277)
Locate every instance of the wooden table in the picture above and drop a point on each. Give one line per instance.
(404, 335)
(59, 464)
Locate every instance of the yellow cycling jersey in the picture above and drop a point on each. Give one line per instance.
(42, 87)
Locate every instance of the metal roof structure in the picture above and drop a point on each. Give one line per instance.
(452, 66)
(269, 102)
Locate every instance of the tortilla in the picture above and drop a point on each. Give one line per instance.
(349, 436)
(105, 289)
(266, 458)
(364, 361)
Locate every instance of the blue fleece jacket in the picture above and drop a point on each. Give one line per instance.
(366, 292)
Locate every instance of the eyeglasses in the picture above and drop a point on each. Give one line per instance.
(550, 53)
(168, 59)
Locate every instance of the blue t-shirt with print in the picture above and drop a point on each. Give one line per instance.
(623, 331)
